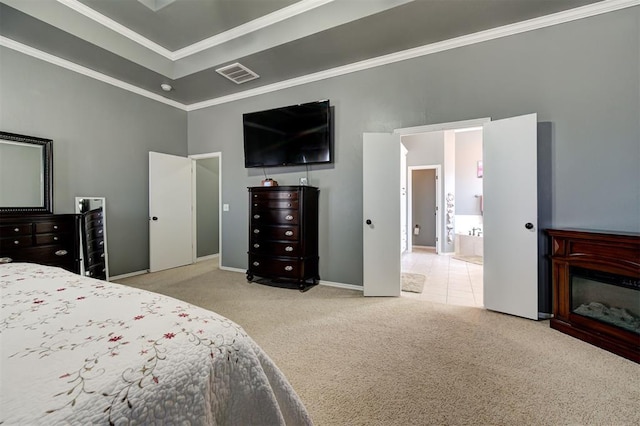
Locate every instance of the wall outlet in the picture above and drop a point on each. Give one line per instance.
(303, 181)
(225, 207)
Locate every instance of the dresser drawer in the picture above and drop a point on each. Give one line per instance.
(274, 204)
(95, 245)
(47, 255)
(15, 229)
(18, 241)
(96, 271)
(94, 215)
(278, 267)
(290, 248)
(95, 232)
(285, 216)
(49, 227)
(95, 257)
(275, 232)
(57, 238)
(274, 195)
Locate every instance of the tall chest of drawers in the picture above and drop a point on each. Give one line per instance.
(48, 239)
(93, 250)
(283, 234)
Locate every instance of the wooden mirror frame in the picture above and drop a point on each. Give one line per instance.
(47, 170)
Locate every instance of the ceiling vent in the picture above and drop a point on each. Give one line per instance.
(237, 73)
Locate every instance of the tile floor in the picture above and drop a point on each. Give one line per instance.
(448, 280)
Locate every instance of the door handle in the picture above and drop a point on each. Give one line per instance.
(368, 222)
(528, 225)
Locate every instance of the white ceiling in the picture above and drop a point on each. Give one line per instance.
(285, 42)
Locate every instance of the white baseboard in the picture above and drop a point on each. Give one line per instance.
(244, 271)
(342, 285)
(227, 268)
(130, 274)
(208, 257)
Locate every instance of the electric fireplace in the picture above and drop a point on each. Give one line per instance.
(596, 288)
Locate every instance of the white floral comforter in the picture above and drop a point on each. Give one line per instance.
(75, 350)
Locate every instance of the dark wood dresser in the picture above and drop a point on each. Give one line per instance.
(47, 239)
(283, 234)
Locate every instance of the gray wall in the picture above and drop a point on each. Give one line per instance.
(581, 76)
(207, 206)
(468, 185)
(101, 139)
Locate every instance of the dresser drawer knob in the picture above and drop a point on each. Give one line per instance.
(289, 195)
(288, 233)
(256, 216)
(16, 242)
(101, 243)
(288, 248)
(55, 238)
(100, 231)
(256, 231)
(256, 263)
(256, 245)
(61, 253)
(288, 268)
(16, 229)
(289, 217)
(55, 226)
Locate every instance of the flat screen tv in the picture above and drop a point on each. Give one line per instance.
(288, 136)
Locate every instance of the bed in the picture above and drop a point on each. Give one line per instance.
(75, 350)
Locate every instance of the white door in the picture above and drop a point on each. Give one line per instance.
(511, 216)
(170, 218)
(381, 157)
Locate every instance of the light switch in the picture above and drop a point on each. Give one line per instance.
(225, 207)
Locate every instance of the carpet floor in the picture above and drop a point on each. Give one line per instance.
(399, 361)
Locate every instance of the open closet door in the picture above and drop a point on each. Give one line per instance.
(511, 216)
(170, 218)
(381, 222)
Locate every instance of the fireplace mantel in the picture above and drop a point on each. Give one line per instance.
(596, 288)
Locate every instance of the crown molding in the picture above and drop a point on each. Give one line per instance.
(255, 25)
(38, 54)
(252, 26)
(599, 8)
(582, 12)
(118, 28)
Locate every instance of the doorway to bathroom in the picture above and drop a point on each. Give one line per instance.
(444, 215)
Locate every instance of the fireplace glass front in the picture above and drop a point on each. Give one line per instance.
(605, 297)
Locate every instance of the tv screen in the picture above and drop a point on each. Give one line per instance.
(287, 136)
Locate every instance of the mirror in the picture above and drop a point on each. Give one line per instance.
(25, 173)
(93, 237)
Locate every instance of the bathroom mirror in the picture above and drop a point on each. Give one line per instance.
(93, 237)
(26, 175)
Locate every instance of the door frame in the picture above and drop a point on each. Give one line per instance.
(194, 227)
(438, 169)
(429, 128)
